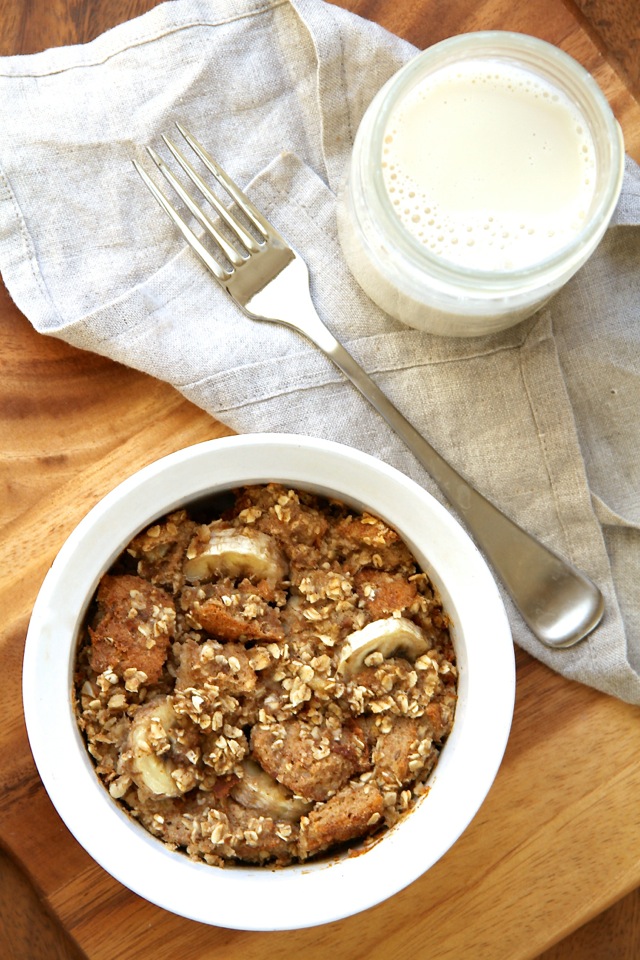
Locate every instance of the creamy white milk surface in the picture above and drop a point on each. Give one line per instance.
(489, 166)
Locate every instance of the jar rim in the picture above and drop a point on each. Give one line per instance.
(551, 64)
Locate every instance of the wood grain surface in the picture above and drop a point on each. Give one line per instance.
(556, 843)
(614, 26)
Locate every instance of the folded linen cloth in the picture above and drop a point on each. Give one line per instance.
(542, 418)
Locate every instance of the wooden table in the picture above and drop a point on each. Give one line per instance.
(557, 840)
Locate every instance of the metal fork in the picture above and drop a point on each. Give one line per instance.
(268, 280)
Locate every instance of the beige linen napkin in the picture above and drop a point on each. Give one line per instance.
(542, 418)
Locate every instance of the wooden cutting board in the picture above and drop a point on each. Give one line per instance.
(556, 841)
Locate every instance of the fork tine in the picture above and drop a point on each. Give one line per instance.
(230, 253)
(225, 181)
(243, 236)
(210, 262)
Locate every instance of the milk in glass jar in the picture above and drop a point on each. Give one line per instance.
(483, 175)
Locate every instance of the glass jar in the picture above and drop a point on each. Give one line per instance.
(430, 290)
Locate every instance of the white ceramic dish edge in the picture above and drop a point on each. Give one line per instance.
(262, 898)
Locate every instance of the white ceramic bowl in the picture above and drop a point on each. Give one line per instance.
(251, 898)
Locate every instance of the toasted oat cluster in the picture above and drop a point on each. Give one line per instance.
(269, 685)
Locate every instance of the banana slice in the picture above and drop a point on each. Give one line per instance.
(258, 791)
(149, 743)
(232, 554)
(392, 637)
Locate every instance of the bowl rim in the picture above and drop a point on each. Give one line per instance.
(300, 895)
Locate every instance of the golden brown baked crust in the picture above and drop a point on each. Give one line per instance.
(220, 695)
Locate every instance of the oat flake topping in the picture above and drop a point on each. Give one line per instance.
(267, 685)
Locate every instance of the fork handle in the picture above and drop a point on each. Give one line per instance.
(560, 605)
